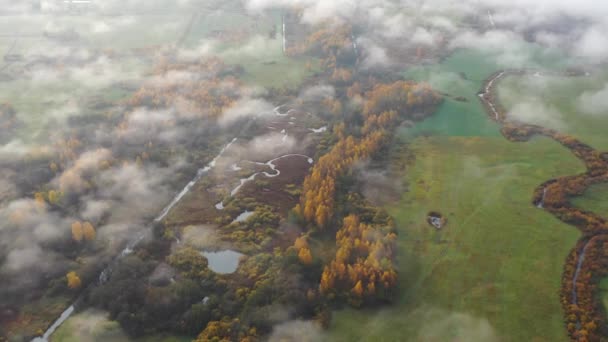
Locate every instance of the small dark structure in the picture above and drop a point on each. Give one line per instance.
(436, 220)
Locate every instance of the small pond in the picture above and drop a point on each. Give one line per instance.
(223, 262)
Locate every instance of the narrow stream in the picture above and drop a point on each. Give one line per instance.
(579, 265)
(200, 173)
(541, 204)
(487, 91)
(273, 167)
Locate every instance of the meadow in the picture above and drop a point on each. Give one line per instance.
(91, 325)
(460, 77)
(556, 102)
(595, 199)
(493, 273)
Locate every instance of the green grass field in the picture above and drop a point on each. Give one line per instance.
(555, 102)
(89, 326)
(595, 199)
(462, 75)
(493, 273)
(263, 59)
(603, 288)
(457, 76)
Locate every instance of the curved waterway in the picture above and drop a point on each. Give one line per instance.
(271, 165)
(105, 274)
(577, 271)
(589, 223)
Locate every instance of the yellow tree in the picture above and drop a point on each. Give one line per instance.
(77, 231)
(73, 279)
(39, 198)
(305, 256)
(300, 243)
(358, 289)
(54, 197)
(53, 166)
(88, 231)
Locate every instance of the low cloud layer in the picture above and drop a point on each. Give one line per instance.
(296, 331)
(383, 25)
(594, 103)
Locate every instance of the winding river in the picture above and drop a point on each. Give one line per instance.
(593, 226)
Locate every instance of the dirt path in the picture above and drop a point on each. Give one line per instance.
(584, 314)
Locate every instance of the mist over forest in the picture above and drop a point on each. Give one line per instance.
(303, 170)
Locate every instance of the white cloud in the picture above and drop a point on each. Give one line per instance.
(594, 103)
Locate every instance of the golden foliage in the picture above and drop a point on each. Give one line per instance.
(88, 231)
(301, 242)
(363, 265)
(73, 280)
(77, 232)
(305, 256)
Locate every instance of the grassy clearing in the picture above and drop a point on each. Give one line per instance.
(96, 31)
(603, 291)
(36, 316)
(595, 199)
(457, 76)
(265, 65)
(93, 325)
(494, 272)
(89, 326)
(461, 76)
(556, 103)
(263, 59)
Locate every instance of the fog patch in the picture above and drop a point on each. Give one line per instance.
(455, 326)
(374, 55)
(318, 93)
(16, 149)
(378, 186)
(90, 326)
(246, 108)
(269, 146)
(137, 192)
(594, 103)
(506, 48)
(7, 188)
(73, 178)
(94, 210)
(537, 112)
(296, 331)
(26, 226)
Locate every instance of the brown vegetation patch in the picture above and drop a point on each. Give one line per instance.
(274, 191)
